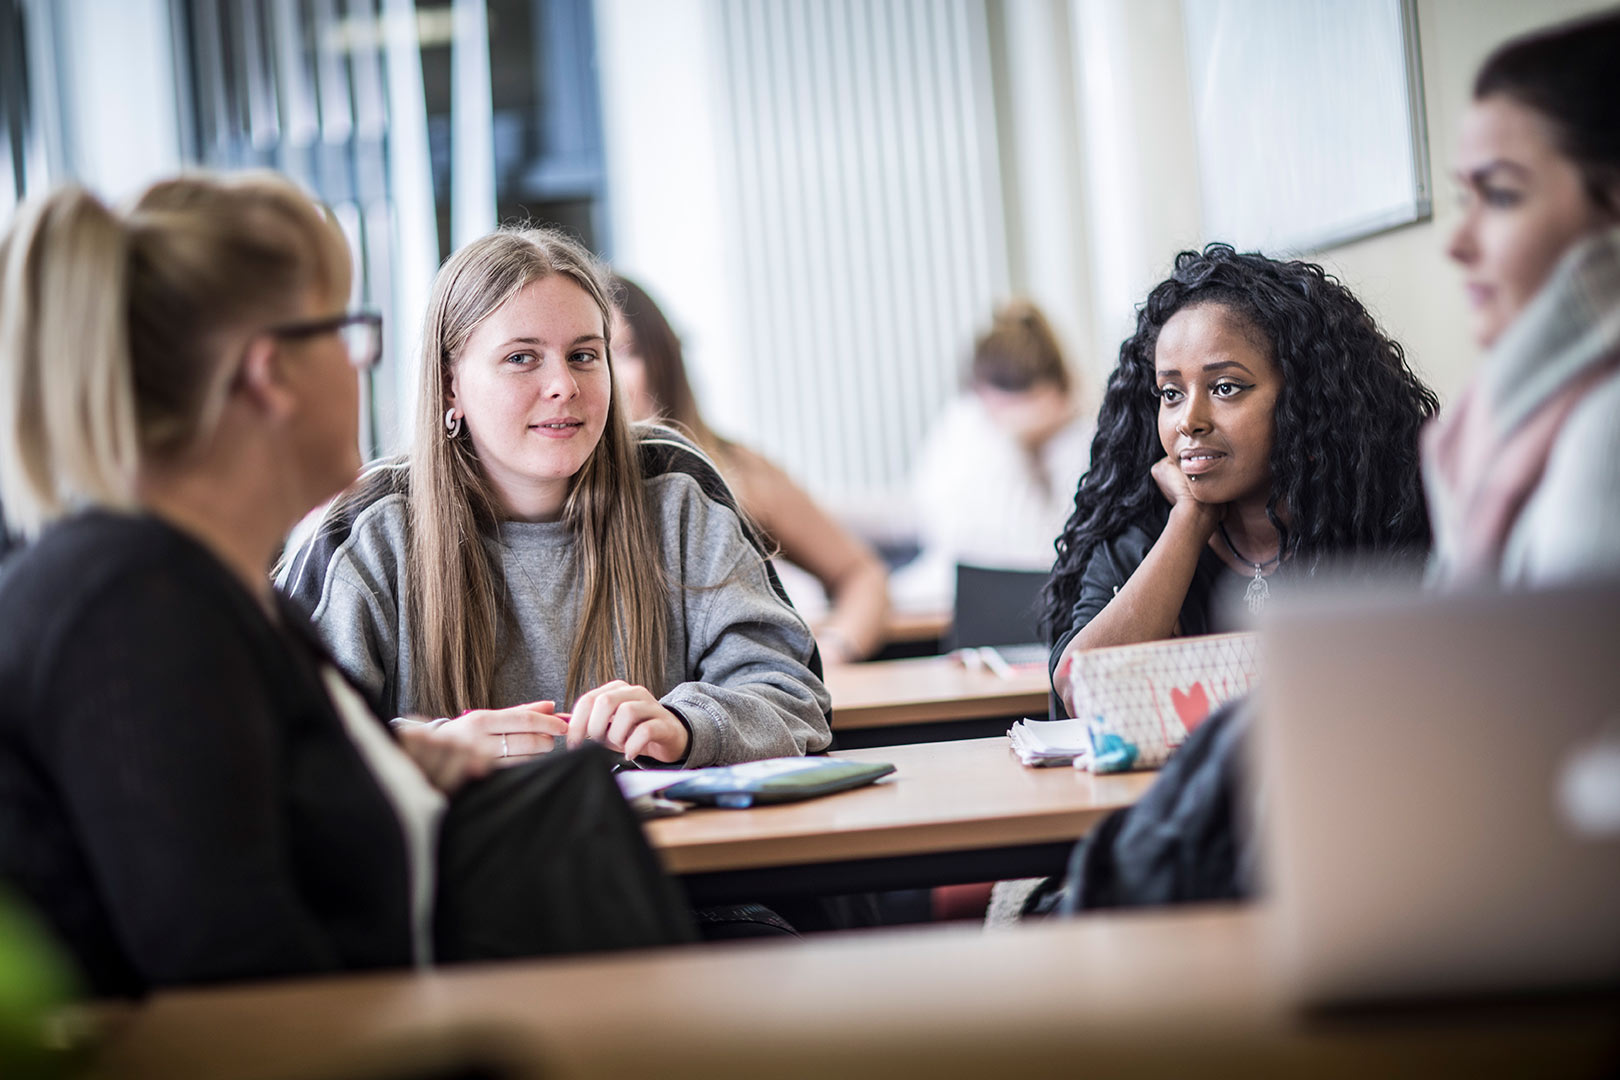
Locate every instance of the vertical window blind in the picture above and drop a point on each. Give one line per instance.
(868, 236)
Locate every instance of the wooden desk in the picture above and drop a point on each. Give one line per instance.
(929, 689)
(953, 812)
(910, 626)
(1142, 995)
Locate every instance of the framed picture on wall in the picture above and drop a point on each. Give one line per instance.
(1309, 119)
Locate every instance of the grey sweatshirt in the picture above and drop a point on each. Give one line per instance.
(742, 671)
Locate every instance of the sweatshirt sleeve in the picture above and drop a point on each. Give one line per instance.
(749, 691)
(347, 587)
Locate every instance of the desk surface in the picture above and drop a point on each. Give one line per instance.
(1166, 994)
(884, 693)
(908, 626)
(949, 796)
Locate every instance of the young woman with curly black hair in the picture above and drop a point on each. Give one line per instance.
(1258, 420)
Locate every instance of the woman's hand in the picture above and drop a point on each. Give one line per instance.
(1178, 492)
(511, 735)
(1173, 483)
(630, 720)
(447, 761)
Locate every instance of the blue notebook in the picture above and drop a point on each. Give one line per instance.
(774, 781)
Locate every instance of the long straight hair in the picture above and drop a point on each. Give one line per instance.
(454, 596)
(115, 328)
(660, 349)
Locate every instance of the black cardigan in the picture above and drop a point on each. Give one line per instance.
(1210, 595)
(178, 797)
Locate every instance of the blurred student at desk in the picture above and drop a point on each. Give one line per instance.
(995, 478)
(652, 374)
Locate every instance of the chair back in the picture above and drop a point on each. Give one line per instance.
(996, 607)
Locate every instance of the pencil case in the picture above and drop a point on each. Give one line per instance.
(777, 780)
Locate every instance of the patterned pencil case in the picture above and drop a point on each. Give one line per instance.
(1142, 701)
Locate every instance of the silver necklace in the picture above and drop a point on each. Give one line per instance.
(1258, 591)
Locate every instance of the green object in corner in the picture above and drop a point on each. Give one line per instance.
(35, 982)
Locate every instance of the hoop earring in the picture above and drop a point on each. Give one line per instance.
(452, 424)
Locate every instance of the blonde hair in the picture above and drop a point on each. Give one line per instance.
(453, 596)
(112, 326)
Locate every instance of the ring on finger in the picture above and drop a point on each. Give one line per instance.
(504, 751)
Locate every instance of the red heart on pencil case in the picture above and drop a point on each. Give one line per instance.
(1192, 706)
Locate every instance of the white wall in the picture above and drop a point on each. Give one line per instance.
(1043, 177)
(117, 74)
(660, 107)
(1141, 199)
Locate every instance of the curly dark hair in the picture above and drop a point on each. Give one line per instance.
(1344, 458)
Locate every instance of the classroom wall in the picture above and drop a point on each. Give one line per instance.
(660, 109)
(117, 78)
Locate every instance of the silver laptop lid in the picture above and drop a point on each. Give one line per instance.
(1441, 779)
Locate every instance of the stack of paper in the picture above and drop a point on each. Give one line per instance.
(1050, 742)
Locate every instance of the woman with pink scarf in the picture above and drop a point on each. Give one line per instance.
(1523, 469)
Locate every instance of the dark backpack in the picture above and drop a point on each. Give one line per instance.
(1187, 840)
(546, 858)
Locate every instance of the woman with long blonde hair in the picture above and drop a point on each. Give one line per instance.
(535, 546)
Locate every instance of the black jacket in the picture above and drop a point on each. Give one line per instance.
(178, 797)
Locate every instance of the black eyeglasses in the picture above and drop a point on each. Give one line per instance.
(361, 331)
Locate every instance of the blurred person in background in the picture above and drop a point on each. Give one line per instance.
(995, 478)
(651, 370)
(1523, 473)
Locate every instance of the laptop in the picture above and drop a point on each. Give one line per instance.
(1441, 790)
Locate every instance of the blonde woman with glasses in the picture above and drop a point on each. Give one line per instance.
(536, 547)
(193, 790)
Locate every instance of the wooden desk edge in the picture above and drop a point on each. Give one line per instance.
(1034, 827)
(1167, 993)
(1015, 703)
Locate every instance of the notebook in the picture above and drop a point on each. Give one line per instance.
(1042, 743)
(1440, 786)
